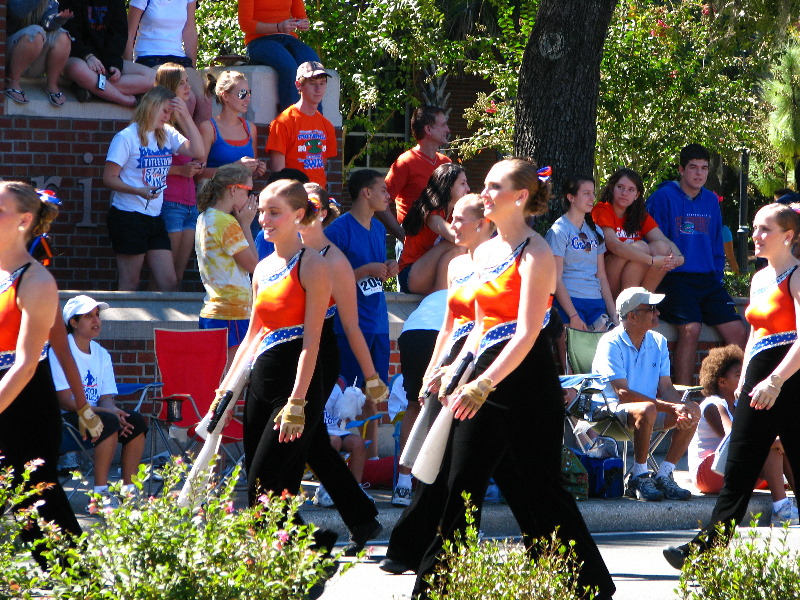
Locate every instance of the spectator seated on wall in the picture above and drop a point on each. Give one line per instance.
(36, 45)
(82, 317)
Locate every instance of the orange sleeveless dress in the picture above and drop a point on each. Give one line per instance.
(771, 314)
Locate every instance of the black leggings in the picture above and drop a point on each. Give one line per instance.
(523, 429)
(754, 432)
(30, 428)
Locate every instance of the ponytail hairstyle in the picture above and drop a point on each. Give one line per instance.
(435, 196)
(41, 205)
(227, 79)
(295, 195)
(636, 213)
(319, 198)
(571, 187)
(226, 176)
(143, 114)
(169, 76)
(523, 174)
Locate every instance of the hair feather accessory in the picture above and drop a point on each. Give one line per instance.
(545, 173)
(48, 196)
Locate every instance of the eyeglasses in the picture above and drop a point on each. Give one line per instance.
(649, 308)
(242, 94)
(241, 186)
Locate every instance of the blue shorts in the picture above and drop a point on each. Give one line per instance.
(378, 344)
(588, 309)
(695, 298)
(178, 217)
(402, 279)
(237, 328)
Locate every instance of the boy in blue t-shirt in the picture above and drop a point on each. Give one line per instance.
(362, 239)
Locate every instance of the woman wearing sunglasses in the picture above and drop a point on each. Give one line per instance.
(226, 252)
(229, 137)
(583, 296)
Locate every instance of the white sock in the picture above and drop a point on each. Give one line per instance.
(101, 489)
(776, 506)
(404, 480)
(638, 469)
(665, 469)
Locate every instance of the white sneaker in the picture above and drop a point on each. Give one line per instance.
(322, 498)
(401, 496)
(787, 512)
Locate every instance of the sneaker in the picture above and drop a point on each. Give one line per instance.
(493, 495)
(643, 487)
(393, 566)
(401, 496)
(787, 512)
(322, 498)
(360, 535)
(676, 555)
(671, 490)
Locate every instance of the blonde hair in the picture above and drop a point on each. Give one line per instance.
(474, 204)
(143, 115)
(226, 176)
(169, 76)
(295, 195)
(30, 201)
(227, 79)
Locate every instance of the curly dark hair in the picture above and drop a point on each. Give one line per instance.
(435, 196)
(718, 362)
(635, 214)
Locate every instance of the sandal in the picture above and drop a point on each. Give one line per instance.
(9, 92)
(57, 98)
(81, 94)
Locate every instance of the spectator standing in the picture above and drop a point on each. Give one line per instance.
(409, 174)
(719, 376)
(428, 246)
(229, 137)
(226, 252)
(270, 33)
(136, 169)
(36, 45)
(82, 317)
(767, 394)
(635, 360)
(689, 216)
(300, 137)
(362, 239)
(30, 421)
(153, 38)
(583, 296)
(638, 253)
(99, 33)
(179, 209)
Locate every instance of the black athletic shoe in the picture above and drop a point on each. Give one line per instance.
(676, 555)
(360, 535)
(393, 566)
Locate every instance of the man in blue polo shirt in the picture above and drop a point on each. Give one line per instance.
(635, 360)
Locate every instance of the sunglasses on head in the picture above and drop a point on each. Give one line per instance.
(242, 94)
(587, 245)
(241, 186)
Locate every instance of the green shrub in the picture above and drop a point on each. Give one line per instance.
(471, 569)
(149, 548)
(218, 30)
(750, 568)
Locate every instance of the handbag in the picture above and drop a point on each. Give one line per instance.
(721, 458)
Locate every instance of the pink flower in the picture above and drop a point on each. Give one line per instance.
(229, 507)
(92, 508)
(283, 536)
(673, 74)
(661, 24)
(492, 108)
(263, 499)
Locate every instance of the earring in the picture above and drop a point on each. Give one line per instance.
(785, 242)
(518, 203)
(21, 228)
(297, 221)
(477, 229)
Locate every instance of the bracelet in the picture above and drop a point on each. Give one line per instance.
(87, 57)
(572, 317)
(279, 27)
(776, 381)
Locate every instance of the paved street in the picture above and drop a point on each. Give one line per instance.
(634, 559)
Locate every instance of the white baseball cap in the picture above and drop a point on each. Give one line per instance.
(632, 297)
(80, 305)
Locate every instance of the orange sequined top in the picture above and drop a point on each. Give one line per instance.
(281, 304)
(461, 302)
(11, 318)
(498, 295)
(771, 314)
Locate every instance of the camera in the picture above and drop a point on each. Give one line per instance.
(101, 81)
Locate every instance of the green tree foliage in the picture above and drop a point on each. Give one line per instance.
(218, 30)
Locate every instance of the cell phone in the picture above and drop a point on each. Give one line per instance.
(159, 189)
(101, 81)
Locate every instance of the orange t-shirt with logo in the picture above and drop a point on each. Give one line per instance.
(604, 216)
(306, 141)
(408, 176)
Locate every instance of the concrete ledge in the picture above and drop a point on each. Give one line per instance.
(262, 110)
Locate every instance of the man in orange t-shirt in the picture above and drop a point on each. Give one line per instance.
(300, 137)
(409, 174)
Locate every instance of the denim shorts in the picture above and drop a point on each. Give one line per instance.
(178, 217)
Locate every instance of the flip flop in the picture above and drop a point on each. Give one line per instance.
(55, 97)
(9, 92)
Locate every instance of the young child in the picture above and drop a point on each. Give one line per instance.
(362, 239)
(82, 317)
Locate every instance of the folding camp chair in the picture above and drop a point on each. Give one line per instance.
(191, 364)
(71, 441)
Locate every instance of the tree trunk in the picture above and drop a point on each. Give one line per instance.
(559, 84)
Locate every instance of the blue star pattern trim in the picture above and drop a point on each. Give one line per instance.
(778, 280)
(330, 312)
(12, 277)
(490, 273)
(784, 338)
(279, 336)
(284, 271)
(8, 357)
(461, 281)
(498, 333)
(458, 334)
